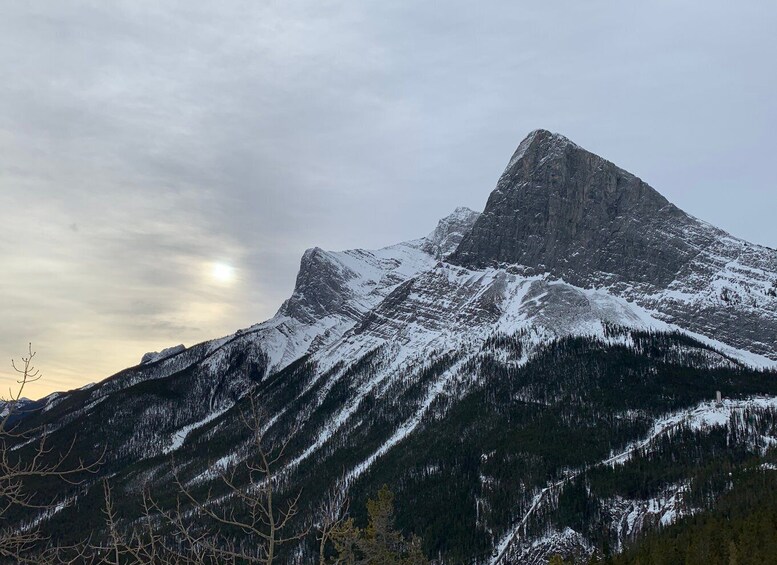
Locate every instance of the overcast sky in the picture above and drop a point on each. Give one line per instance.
(142, 143)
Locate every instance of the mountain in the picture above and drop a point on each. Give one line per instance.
(13, 410)
(536, 378)
(562, 210)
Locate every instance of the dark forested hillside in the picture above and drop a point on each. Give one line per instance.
(482, 452)
(740, 528)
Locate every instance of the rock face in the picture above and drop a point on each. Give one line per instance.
(324, 280)
(561, 210)
(348, 283)
(449, 232)
(154, 356)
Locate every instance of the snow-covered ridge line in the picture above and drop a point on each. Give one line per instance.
(703, 415)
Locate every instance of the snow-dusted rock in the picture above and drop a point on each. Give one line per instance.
(561, 210)
(154, 356)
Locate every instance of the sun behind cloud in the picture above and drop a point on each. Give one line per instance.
(222, 273)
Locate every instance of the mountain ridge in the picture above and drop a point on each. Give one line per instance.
(378, 354)
(560, 209)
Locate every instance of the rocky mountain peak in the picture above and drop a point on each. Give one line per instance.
(449, 232)
(320, 288)
(560, 209)
(346, 282)
(541, 141)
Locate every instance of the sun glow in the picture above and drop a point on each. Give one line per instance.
(222, 273)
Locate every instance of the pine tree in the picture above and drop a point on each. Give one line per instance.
(733, 558)
(379, 543)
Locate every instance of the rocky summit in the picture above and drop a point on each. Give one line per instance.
(561, 210)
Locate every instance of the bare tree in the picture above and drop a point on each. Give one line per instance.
(333, 516)
(203, 529)
(245, 523)
(144, 543)
(17, 541)
(263, 523)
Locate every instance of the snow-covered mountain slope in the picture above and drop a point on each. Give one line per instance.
(448, 308)
(562, 210)
(334, 291)
(630, 517)
(580, 302)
